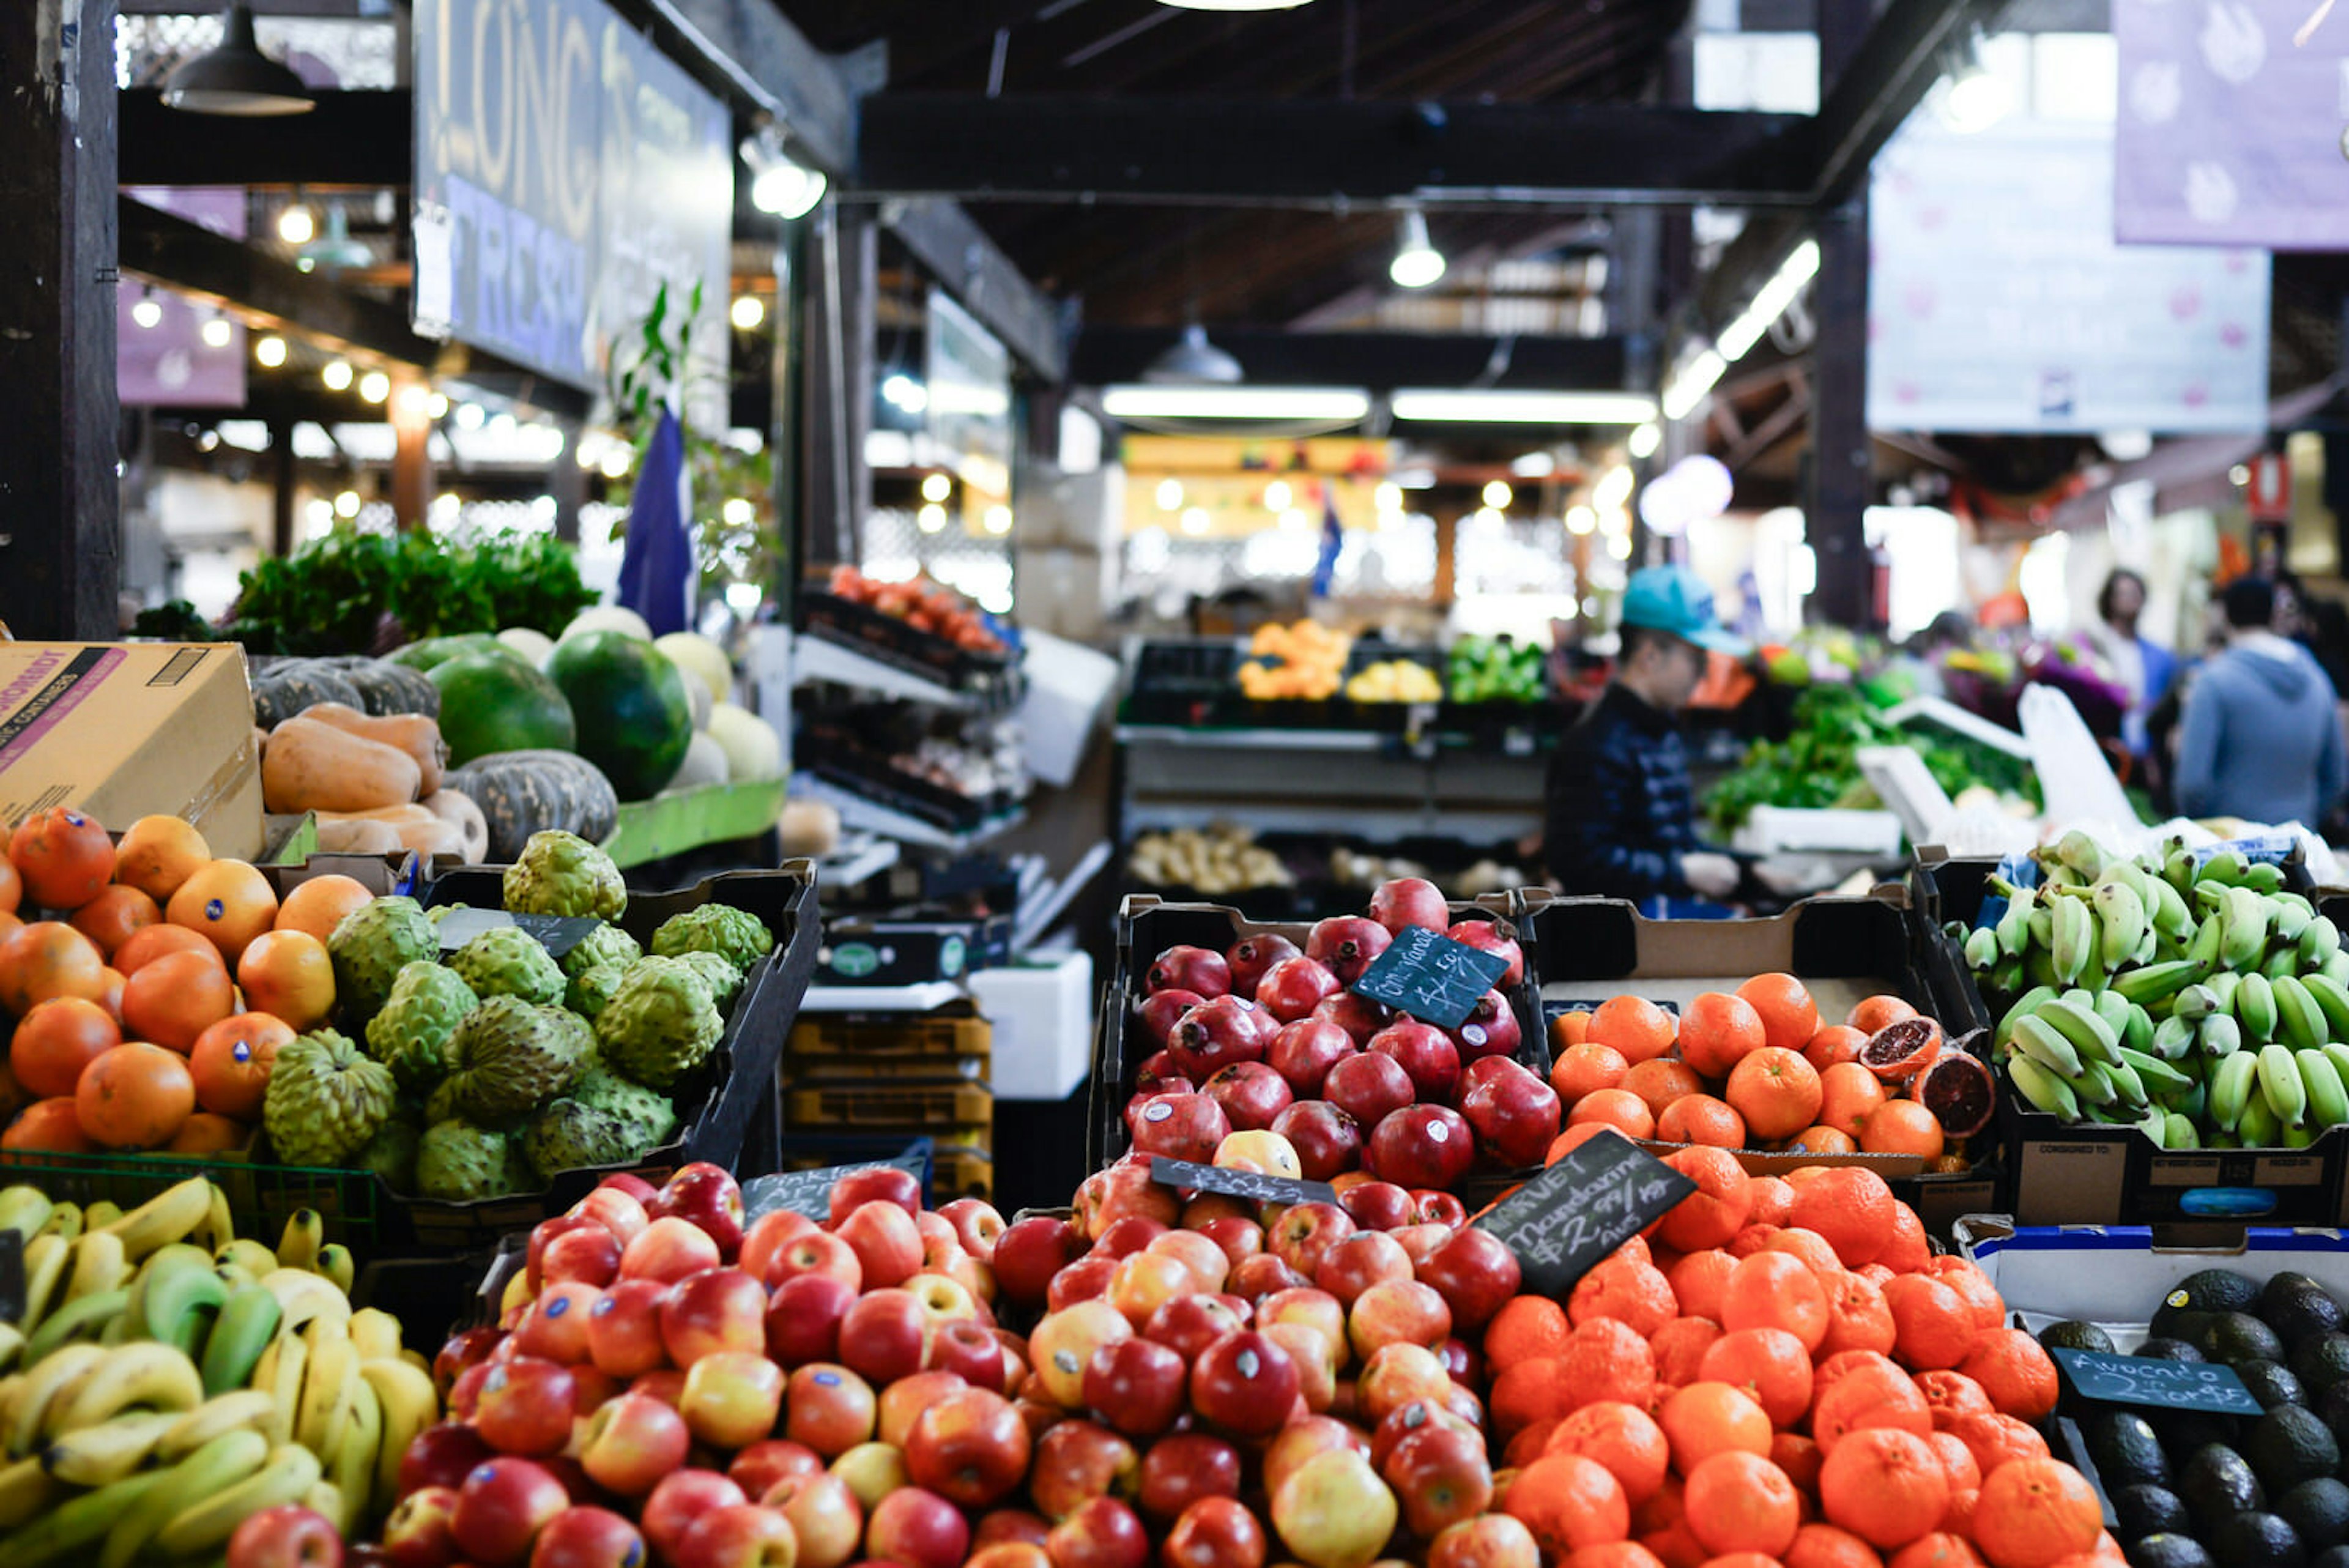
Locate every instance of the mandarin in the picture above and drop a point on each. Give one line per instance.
(2033, 1513)
(1633, 1025)
(1705, 1419)
(1776, 1092)
(1624, 1437)
(1767, 1362)
(1702, 1120)
(1587, 1068)
(1716, 1211)
(1719, 1031)
(1789, 1015)
(1851, 1206)
(1773, 1290)
(1741, 1502)
(1885, 1485)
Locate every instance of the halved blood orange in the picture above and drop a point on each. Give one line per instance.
(1899, 1049)
(1958, 1090)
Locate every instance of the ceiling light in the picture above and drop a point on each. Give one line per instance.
(297, 225)
(1972, 97)
(779, 183)
(937, 487)
(269, 353)
(1535, 465)
(738, 512)
(1390, 497)
(375, 386)
(216, 332)
(334, 248)
(411, 403)
(1170, 495)
(1688, 389)
(237, 78)
(1580, 520)
(1613, 489)
(998, 520)
(902, 392)
(1166, 402)
(337, 375)
(747, 312)
(1476, 407)
(1785, 285)
(1619, 546)
(1277, 496)
(1194, 520)
(436, 407)
(347, 505)
(930, 519)
(470, 416)
(148, 312)
(1192, 360)
(1417, 263)
(1644, 441)
(1497, 493)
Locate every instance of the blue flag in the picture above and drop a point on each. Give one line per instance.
(1333, 539)
(656, 567)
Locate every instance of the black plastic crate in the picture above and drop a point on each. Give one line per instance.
(1181, 683)
(911, 946)
(861, 628)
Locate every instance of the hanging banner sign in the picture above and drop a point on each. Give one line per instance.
(564, 170)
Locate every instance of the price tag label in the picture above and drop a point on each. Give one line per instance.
(1566, 1221)
(2149, 1380)
(809, 1192)
(1249, 1184)
(558, 934)
(12, 1277)
(1428, 975)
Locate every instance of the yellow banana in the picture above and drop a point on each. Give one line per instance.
(104, 1454)
(143, 1376)
(337, 1266)
(305, 1232)
(409, 1403)
(24, 1209)
(353, 1466)
(99, 1265)
(289, 1472)
(71, 1526)
(26, 1492)
(46, 1258)
(329, 1383)
(172, 1215)
(28, 1412)
(100, 1214)
(305, 1298)
(244, 1410)
(376, 1333)
(248, 1254)
(65, 1221)
(279, 1375)
(221, 1463)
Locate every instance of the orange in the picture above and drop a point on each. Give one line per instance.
(1623, 1437)
(1767, 1362)
(153, 941)
(205, 1133)
(135, 1096)
(2035, 1512)
(1680, 1345)
(318, 905)
(1848, 1092)
(1772, 1289)
(1741, 1502)
(1568, 1501)
(230, 1063)
(1835, 1043)
(1661, 1080)
(1716, 1211)
(9, 924)
(110, 919)
(175, 998)
(47, 959)
(1621, 1109)
(1951, 1394)
(1900, 1127)
(1574, 1137)
(64, 856)
(1809, 1247)
(1799, 1458)
(1906, 1250)
(12, 887)
(1870, 1014)
(1936, 1327)
(1697, 1281)
(1825, 1546)
(1606, 1359)
(1789, 1016)
(1717, 1032)
(1821, 1140)
(1527, 1328)
(1851, 1206)
(1635, 1026)
(1754, 1238)
(1997, 1441)
(1957, 1463)
(1742, 1560)
(227, 901)
(288, 974)
(1571, 1027)
(1773, 1200)
(1776, 1092)
(1884, 1485)
(1631, 1293)
(1707, 1418)
(1858, 1318)
(111, 997)
(48, 1126)
(1868, 1401)
(1968, 1280)
(157, 853)
(1702, 1119)
(1527, 1396)
(1526, 1446)
(56, 1041)
(1586, 1069)
(1609, 1554)
(2014, 1372)
(1941, 1549)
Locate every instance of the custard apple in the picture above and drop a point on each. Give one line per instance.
(510, 1056)
(371, 945)
(738, 936)
(457, 1162)
(508, 961)
(571, 1135)
(326, 1099)
(724, 981)
(391, 1154)
(590, 989)
(647, 1110)
(660, 1025)
(442, 1106)
(604, 945)
(562, 874)
(411, 1035)
(439, 912)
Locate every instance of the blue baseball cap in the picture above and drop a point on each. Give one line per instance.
(1674, 599)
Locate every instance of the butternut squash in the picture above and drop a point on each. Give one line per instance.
(403, 815)
(473, 828)
(356, 836)
(414, 733)
(314, 767)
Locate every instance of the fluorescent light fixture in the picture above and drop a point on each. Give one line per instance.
(1644, 441)
(746, 312)
(1738, 339)
(1497, 493)
(1277, 496)
(337, 375)
(1535, 465)
(1478, 408)
(1688, 389)
(297, 225)
(1417, 263)
(1147, 402)
(1613, 489)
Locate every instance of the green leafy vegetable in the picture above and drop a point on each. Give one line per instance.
(1817, 765)
(352, 592)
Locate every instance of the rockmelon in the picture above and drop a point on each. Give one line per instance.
(753, 750)
(705, 763)
(533, 644)
(608, 618)
(699, 656)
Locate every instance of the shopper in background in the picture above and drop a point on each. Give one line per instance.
(2142, 666)
(1621, 814)
(2262, 738)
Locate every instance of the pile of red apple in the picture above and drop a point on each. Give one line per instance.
(1205, 1384)
(1267, 1038)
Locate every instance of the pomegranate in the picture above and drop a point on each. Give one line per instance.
(1224, 1030)
(1425, 1054)
(1421, 1146)
(1304, 1052)
(1487, 937)
(1199, 970)
(1489, 1030)
(1328, 1141)
(1251, 1095)
(1250, 957)
(1160, 1009)
(1367, 1086)
(1514, 1113)
(1359, 1016)
(1410, 901)
(1293, 987)
(1181, 1126)
(1347, 944)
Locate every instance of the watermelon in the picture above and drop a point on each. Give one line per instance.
(633, 716)
(495, 703)
(436, 650)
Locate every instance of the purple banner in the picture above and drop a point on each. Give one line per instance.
(161, 357)
(2229, 135)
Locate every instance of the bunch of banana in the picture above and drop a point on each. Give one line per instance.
(2197, 1001)
(166, 1390)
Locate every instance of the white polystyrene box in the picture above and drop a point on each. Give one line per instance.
(1041, 1009)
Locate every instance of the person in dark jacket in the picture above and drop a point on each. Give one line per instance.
(1621, 814)
(2262, 737)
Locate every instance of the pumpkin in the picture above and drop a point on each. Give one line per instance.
(388, 688)
(526, 792)
(417, 735)
(314, 767)
(288, 685)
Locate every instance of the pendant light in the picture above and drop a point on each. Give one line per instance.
(1417, 263)
(1192, 360)
(237, 78)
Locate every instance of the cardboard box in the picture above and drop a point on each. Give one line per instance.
(123, 731)
(2113, 1275)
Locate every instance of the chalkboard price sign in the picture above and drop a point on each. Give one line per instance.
(1566, 1221)
(1249, 1184)
(12, 1277)
(809, 1192)
(2148, 1380)
(1428, 975)
(558, 934)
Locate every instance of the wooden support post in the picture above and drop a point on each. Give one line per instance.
(60, 503)
(1841, 456)
(838, 408)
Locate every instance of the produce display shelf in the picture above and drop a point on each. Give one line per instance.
(672, 824)
(859, 861)
(919, 998)
(870, 815)
(815, 657)
(1256, 738)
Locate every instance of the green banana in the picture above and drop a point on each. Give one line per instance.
(2255, 1008)
(2029, 1002)
(2246, 939)
(243, 1329)
(2173, 1038)
(2036, 1038)
(2014, 928)
(2231, 1081)
(75, 1323)
(2288, 920)
(2225, 867)
(2203, 947)
(2125, 1083)
(2299, 1018)
(2260, 1126)
(2332, 999)
(2077, 852)
(2076, 945)
(2263, 877)
(2157, 983)
(2282, 961)
(2085, 1029)
(2121, 922)
(2194, 1003)
(74, 1525)
(2279, 1085)
(1981, 949)
(180, 1308)
(2095, 1087)
(2177, 1130)
(290, 1470)
(2319, 940)
(2168, 911)
(218, 1465)
(2328, 1098)
(2158, 1076)
(2045, 1090)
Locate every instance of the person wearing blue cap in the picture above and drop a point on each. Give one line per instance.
(1621, 813)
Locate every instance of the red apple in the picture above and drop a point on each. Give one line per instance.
(618, 1206)
(461, 1352)
(871, 1471)
(1180, 1470)
(288, 1536)
(888, 1247)
(1219, 1031)
(1293, 987)
(1250, 1094)
(1489, 1031)
(1328, 1141)
(824, 1515)
(1065, 1343)
(1132, 1234)
(555, 1326)
(1394, 1375)
(1346, 944)
(883, 1334)
(804, 1318)
(1377, 1205)
(970, 1447)
(1136, 1385)
(732, 1398)
(769, 1234)
(1407, 1418)
(1474, 1273)
(1126, 1187)
(1009, 1525)
(679, 1500)
(1100, 1533)
(814, 1252)
(1244, 1382)
(1410, 901)
(1359, 1016)
(1334, 1510)
(1487, 936)
(1213, 1532)
(1189, 1324)
(873, 1184)
(1079, 1460)
(1181, 1126)
(442, 1455)
(970, 1352)
(903, 1401)
(1420, 1145)
(829, 1408)
(1305, 1232)
(917, 1529)
(1146, 1280)
(668, 1249)
(467, 1392)
(1200, 1254)
(1317, 1309)
(589, 1538)
(1434, 1207)
(977, 1225)
(1515, 1114)
(624, 1337)
(1397, 1312)
(1488, 1540)
(631, 1442)
(1240, 1238)
(1421, 1242)
(740, 1535)
(526, 1407)
(667, 1385)
(1159, 1010)
(722, 1309)
(1251, 956)
(545, 1232)
(1363, 1260)
(1030, 1252)
(1255, 1278)
(500, 1508)
(590, 1255)
(1302, 1440)
(709, 1197)
(1466, 1367)
(1008, 1554)
(1200, 970)
(1082, 1281)
(417, 1533)
(1424, 1053)
(769, 1463)
(1369, 1087)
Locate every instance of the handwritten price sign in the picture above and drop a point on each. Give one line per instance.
(2148, 1380)
(1569, 1218)
(1252, 1185)
(1428, 975)
(558, 934)
(809, 1192)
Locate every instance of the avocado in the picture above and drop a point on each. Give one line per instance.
(2073, 1335)
(2235, 1337)
(2169, 1549)
(2149, 1510)
(2333, 1406)
(2298, 1308)
(2210, 1290)
(2161, 1348)
(2125, 1451)
(2255, 1539)
(2216, 1481)
(2321, 1361)
(2289, 1444)
(2183, 1432)
(2272, 1383)
(2319, 1511)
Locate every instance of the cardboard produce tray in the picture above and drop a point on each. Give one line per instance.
(1147, 927)
(2113, 1275)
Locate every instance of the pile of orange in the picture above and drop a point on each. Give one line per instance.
(1780, 1375)
(145, 985)
(1753, 1070)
